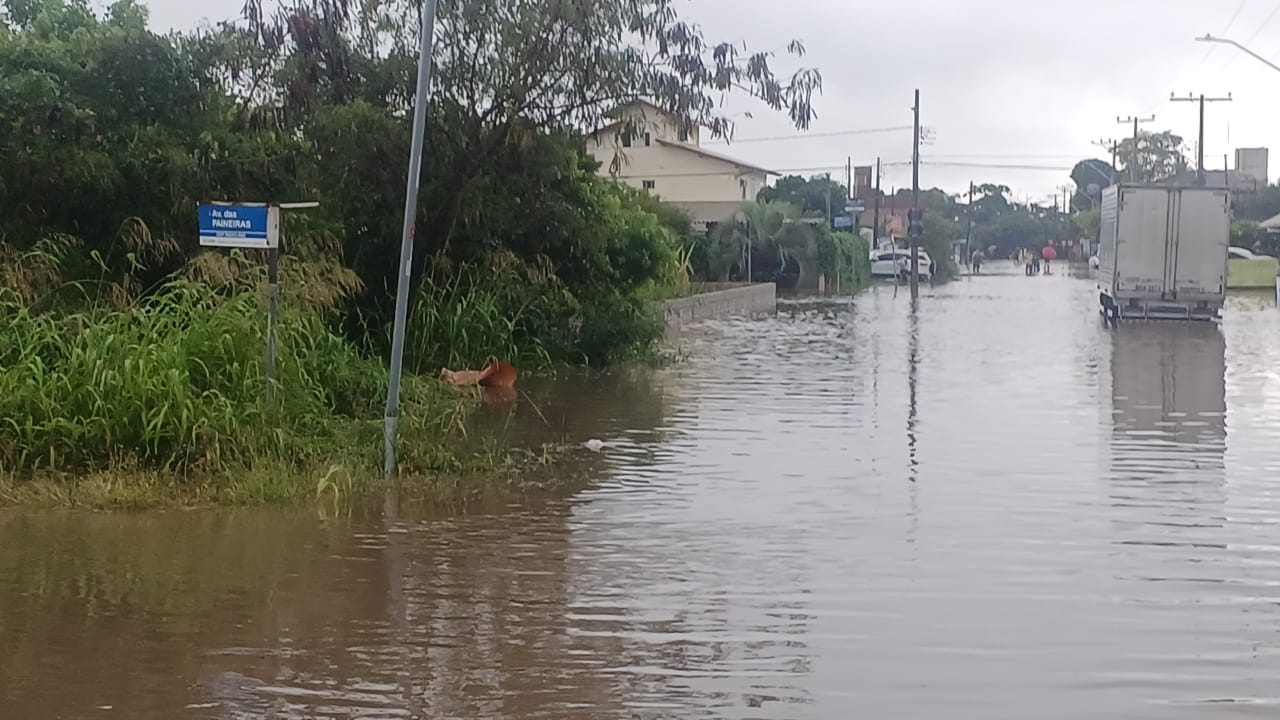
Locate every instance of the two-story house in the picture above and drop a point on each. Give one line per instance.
(650, 148)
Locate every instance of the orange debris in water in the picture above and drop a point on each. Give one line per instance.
(495, 373)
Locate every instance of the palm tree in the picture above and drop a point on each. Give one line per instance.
(754, 225)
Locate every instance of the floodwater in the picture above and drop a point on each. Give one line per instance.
(990, 507)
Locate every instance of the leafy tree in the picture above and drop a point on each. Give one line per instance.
(813, 197)
(109, 135)
(1010, 231)
(1261, 205)
(757, 226)
(1087, 174)
(1244, 233)
(1089, 222)
(1160, 157)
(939, 232)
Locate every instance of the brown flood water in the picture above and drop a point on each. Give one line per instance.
(991, 508)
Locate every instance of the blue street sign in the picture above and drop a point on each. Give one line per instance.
(245, 226)
(842, 221)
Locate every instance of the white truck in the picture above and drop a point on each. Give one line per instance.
(1163, 252)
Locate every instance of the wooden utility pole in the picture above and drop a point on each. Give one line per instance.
(1133, 161)
(968, 233)
(828, 201)
(875, 218)
(915, 198)
(1200, 146)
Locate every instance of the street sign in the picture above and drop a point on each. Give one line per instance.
(239, 225)
(854, 206)
(842, 221)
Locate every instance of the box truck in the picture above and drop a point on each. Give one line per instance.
(1163, 252)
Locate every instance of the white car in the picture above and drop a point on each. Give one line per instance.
(1240, 253)
(896, 262)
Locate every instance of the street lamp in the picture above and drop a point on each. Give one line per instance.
(1233, 43)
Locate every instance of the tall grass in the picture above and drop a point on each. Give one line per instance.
(176, 383)
(508, 310)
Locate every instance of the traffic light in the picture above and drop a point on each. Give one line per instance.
(915, 223)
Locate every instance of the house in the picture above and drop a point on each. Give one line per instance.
(649, 148)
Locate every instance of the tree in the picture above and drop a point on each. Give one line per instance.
(502, 66)
(768, 227)
(1091, 177)
(1160, 157)
(1011, 231)
(1261, 205)
(813, 197)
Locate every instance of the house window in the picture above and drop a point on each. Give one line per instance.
(647, 139)
(743, 184)
(626, 140)
(647, 184)
(684, 134)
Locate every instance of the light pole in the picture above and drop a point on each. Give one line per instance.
(422, 96)
(1238, 46)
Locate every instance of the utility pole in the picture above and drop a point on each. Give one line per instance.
(828, 201)
(1133, 163)
(875, 218)
(915, 227)
(968, 233)
(1200, 147)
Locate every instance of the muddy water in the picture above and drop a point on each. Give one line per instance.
(989, 508)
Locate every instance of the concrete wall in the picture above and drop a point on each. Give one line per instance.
(1256, 273)
(720, 300)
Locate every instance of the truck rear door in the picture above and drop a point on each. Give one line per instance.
(1141, 242)
(1201, 233)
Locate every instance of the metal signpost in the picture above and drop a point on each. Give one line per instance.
(391, 415)
(254, 226)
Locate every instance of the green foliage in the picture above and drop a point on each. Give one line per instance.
(108, 129)
(1160, 157)
(1089, 222)
(1244, 233)
(1258, 206)
(844, 256)
(813, 197)
(176, 383)
(939, 232)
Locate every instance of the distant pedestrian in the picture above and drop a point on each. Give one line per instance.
(976, 260)
(1257, 248)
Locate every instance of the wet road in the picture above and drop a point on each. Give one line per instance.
(990, 508)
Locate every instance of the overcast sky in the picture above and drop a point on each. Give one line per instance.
(1003, 82)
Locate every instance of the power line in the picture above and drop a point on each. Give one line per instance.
(1263, 26)
(1230, 23)
(830, 168)
(834, 133)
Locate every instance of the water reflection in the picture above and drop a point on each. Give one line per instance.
(1169, 416)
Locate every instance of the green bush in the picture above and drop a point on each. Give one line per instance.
(177, 383)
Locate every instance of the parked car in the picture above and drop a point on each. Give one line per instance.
(896, 262)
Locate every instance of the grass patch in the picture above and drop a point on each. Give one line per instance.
(165, 402)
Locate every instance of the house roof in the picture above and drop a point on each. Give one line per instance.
(699, 150)
(1271, 224)
(618, 111)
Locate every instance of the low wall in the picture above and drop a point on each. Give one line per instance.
(720, 300)
(1257, 273)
